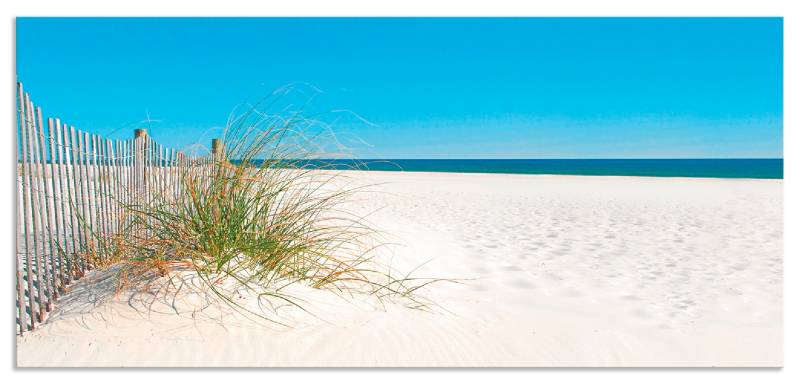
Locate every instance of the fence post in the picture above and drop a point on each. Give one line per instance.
(140, 164)
(217, 149)
(139, 156)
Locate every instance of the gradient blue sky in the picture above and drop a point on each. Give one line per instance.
(429, 87)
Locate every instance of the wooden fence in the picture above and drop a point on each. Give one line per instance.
(74, 198)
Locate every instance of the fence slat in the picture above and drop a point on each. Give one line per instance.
(64, 200)
(107, 182)
(91, 197)
(69, 186)
(47, 220)
(113, 150)
(37, 211)
(150, 183)
(25, 300)
(99, 203)
(87, 213)
(80, 213)
(105, 178)
(97, 198)
(128, 185)
(21, 319)
(55, 232)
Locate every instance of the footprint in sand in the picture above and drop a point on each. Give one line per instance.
(522, 284)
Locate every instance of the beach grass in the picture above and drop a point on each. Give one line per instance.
(259, 218)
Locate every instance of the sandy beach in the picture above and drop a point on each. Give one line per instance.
(553, 271)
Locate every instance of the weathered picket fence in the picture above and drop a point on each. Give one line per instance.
(75, 191)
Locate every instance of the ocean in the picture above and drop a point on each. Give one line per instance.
(718, 168)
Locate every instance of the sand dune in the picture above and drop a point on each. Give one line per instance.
(556, 271)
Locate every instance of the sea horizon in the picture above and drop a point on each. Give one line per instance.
(755, 168)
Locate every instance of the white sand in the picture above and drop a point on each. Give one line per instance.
(567, 271)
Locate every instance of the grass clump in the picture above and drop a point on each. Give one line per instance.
(264, 215)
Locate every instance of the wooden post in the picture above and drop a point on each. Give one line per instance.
(217, 157)
(217, 149)
(140, 157)
(140, 164)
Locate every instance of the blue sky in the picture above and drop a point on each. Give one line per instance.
(427, 87)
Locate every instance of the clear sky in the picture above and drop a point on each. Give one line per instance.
(427, 87)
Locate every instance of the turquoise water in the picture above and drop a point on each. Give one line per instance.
(720, 168)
